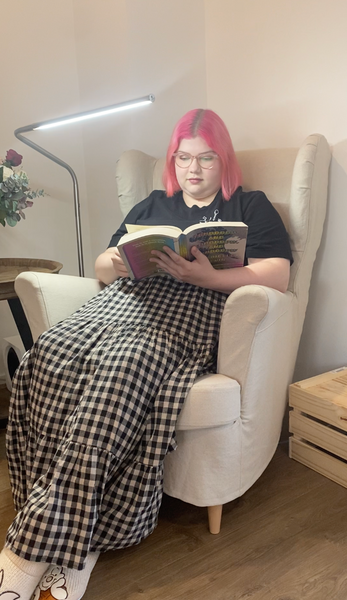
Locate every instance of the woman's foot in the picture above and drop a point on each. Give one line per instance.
(18, 577)
(63, 583)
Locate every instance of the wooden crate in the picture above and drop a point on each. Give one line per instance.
(318, 422)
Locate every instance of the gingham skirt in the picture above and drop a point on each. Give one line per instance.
(93, 414)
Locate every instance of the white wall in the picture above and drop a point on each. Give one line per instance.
(276, 72)
(74, 55)
(42, 82)
(128, 49)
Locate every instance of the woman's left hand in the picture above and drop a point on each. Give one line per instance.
(198, 272)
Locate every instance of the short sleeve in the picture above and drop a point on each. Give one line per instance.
(122, 230)
(131, 218)
(267, 236)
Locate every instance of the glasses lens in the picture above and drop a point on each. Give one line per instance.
(206, 161)
(183, 160)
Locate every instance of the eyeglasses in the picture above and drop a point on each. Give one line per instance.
(206, 160)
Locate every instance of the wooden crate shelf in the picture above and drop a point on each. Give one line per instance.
(318, 423)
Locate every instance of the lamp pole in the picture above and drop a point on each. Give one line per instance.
(77, 117)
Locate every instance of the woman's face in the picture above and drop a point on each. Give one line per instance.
(198, 183)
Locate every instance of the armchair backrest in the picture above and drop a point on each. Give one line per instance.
(294, 180)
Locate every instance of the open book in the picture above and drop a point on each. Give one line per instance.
(223, 242)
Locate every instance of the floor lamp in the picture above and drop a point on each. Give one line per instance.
(90, 114)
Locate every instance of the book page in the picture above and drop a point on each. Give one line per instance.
(213, 224)
(132, 228)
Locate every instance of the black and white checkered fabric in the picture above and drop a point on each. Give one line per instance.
(93, 414)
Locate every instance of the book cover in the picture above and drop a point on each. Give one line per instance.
(137, 252)
(223, 242)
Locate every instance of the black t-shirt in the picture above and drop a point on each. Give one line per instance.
(267, 236)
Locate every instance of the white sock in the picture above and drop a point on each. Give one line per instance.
(18, 577)
(66, 584)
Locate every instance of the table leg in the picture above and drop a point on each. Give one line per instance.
(21, 322)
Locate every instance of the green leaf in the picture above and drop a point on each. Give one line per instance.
(17, 196)
(11, 221)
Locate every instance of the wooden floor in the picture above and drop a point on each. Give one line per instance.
(285, 539)
(4, 403)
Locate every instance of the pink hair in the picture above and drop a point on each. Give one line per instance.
(209, 126)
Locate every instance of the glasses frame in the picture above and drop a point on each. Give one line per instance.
(211, 153)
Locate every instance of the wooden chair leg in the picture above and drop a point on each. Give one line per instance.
(214, 518)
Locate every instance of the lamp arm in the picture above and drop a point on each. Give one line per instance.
(89, 114)
(18, 134)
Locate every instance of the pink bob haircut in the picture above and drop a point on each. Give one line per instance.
(209, 126)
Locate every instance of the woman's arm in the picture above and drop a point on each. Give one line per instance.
(272, 272)
(109, 266)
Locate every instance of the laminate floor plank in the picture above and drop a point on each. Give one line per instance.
(186, 539)
(260, 555)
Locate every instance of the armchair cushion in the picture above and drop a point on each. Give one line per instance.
(217, 391)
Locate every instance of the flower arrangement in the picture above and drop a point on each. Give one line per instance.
(15, 193)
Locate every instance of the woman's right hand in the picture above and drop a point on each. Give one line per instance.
(109, 266)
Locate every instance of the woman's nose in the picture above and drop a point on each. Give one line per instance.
(194, 167)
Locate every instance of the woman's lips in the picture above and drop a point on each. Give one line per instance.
(194, 180)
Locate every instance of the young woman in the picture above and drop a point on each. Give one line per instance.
(95, 401)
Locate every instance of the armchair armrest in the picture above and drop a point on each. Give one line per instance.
(258, 344)
(253, 316)
(49, 298)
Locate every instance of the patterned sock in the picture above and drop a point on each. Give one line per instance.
(18, 577)
(65, 584)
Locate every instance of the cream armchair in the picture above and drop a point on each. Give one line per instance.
(230, 425)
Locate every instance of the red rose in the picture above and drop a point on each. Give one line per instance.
(14, 158)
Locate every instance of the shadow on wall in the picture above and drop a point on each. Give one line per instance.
(323, 344)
